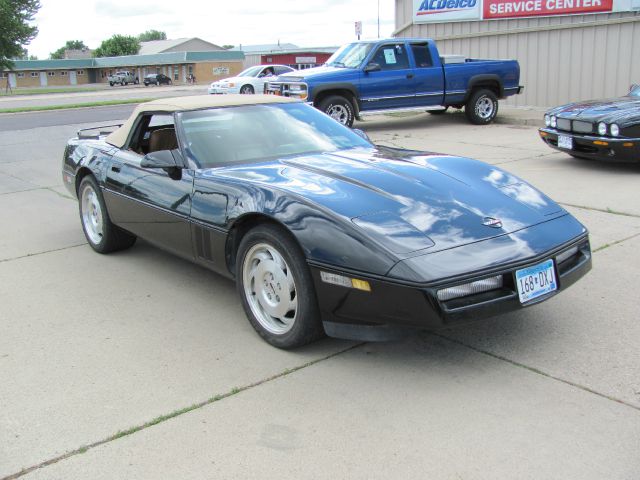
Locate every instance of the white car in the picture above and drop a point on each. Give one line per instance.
(250, 80)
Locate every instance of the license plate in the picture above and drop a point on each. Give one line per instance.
(565, 142)
(535, 281)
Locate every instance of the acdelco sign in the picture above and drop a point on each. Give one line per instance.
(426, 11)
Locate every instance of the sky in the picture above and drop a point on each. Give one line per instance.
(306, 23)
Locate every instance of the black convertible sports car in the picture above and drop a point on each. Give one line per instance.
(323, 231)
(599, 129)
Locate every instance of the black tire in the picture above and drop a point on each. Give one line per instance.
(338, 108)
(438, 112)
(111, 84)
(482, 107)
(107, 238)
(124, 83)
(276, 286)
(247, 90)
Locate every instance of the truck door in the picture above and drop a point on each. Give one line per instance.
(429, 76)
(387, 78)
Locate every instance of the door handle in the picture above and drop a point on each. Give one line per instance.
(409, 75)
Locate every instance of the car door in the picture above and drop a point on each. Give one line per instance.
(391, 85)
(151, 203)
(429, 77)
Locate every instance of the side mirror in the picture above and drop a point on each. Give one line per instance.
(372, 67)
(361, 134)
(633, 87)
(162, 159)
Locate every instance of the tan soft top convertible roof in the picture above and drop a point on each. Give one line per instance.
(181, 104)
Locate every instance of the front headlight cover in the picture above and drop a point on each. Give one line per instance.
(614, 129)
(547, 120)
(554, 121)
(602, 128)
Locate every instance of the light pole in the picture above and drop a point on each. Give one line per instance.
(378, 18)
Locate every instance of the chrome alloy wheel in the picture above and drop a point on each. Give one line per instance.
(92, 215)
(270, 288)
(484, 107)
(339, 113)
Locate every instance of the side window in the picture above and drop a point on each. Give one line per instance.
(391, 57)
(422, 55)
(142, 141)
(281, 70)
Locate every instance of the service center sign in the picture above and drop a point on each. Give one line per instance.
(533, 8)
(428, 11)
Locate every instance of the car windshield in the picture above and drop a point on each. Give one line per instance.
(635, 91)
(251, 133)
(350, 55)
(250, 72)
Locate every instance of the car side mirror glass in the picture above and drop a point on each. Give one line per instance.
(162, 159)
(372, 67)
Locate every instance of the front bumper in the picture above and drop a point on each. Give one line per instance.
(598, 148)
(391, 309)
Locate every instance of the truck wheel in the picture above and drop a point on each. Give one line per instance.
(338, 108)
(111, 84)
(482, 107)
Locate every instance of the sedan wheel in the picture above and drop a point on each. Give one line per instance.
(247, 90)
(276, 288)
(102, 235)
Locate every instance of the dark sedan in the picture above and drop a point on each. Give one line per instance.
(156, 79)
(598, 129)
(322, 231)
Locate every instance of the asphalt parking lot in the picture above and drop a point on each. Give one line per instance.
(140, 365)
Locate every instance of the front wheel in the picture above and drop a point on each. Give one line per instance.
(247, 90)
(102, 235)
(276, 288)
(111, 84)
(482, 107)
(338, 108)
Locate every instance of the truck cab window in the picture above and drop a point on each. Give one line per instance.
(422, 55)
(391, 57)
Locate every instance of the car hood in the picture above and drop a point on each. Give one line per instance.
(622, 110)
(311, 73)
(409, 201)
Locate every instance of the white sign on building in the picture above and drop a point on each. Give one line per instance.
(432, 11)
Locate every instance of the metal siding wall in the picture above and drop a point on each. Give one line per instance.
(556, 66)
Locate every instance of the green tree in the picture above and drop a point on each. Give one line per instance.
(228, 47)
(117, 46)
(15, 30)
(150, 35)
(70, 45)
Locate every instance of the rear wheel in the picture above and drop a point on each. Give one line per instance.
(482, 107)
(111, 84)
(276, 288)
(102, 235)
(338, 108)
(247, 90)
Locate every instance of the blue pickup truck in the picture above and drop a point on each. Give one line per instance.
(401, 74)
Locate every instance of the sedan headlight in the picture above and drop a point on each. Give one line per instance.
(547, 120)
(615, 130)
(602, 128)
(554, 121)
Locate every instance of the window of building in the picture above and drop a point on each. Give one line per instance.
(176, 72)
(20, 74)
(35, 74)
(3, 75)
(64, 74)
(79, 72)
(51, 74)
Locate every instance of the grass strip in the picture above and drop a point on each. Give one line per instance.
(45, 91)
(104, 103)
(176, 413)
